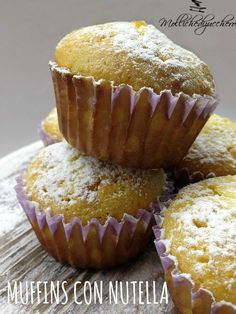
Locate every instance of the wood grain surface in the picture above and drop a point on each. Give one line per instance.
(22, 259)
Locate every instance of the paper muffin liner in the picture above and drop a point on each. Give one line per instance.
(120, 125)
(94, 245)
(182, 289)
(46, 138)
(183, 177)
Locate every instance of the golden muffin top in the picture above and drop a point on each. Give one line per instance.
(200, 225)
(51, 126)
(214, 150)
(65, 182)
(134, 53)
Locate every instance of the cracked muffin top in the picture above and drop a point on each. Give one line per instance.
(134, 53)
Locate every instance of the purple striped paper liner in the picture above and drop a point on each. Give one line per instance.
(180, 285)
(127, 127)
(94, 245)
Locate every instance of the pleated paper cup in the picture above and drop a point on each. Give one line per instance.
(94, 245)
(182, 289)
(127, 127)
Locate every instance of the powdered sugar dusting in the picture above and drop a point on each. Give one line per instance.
(142, 41)
(214, 147)
(10, 212)
(203, 218)
(65, 176)
(206, 215)
(137, 45)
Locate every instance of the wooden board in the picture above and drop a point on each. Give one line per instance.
(22, 259)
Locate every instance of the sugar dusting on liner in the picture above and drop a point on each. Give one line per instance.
(181, 285)
(46, 138)
(93, 245)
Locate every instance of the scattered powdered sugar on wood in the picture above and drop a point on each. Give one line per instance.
(65, 176)
(10, 211)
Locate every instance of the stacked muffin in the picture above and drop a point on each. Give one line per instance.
(129, 102)
(212, 154)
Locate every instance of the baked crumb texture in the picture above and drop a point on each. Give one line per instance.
(136, 54)
(127, 94)
(67, 183)
(197, 245)
(214, 150)
(87, 213)
(212, 154)
(49, 129)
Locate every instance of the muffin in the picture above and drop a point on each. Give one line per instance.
(212, 154)
(127, 94)
(49, 129)
(88, 213)
(196, 243)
